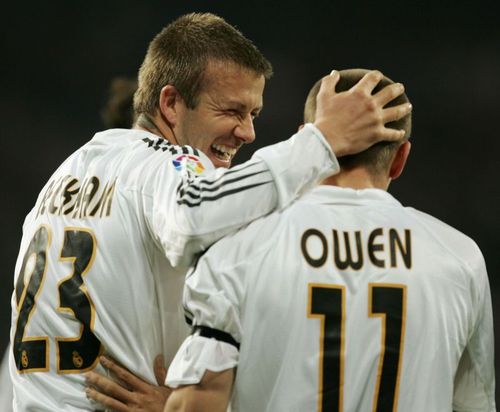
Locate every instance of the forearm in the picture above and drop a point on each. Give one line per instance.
(184, 401)
(211, 394)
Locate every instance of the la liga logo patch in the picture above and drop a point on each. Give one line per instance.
(188, 162)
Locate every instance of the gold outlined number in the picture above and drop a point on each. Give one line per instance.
(31, 354)
(74, 355)
(387, 301)
(80, 353)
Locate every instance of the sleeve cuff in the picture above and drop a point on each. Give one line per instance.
(321, 138)
(299, 163)
(196, 355)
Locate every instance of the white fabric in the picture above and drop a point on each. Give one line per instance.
(257, 286)
(147, 208)
(198, 354)
(5, 384)
(288, 173)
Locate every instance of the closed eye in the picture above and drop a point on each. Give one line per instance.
(233, 112)
(241, 114)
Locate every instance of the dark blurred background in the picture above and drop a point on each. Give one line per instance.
(59, 57)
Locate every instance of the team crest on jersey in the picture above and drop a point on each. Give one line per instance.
(188, 162)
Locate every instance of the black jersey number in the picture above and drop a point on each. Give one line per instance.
(387, 301)
(75, 354)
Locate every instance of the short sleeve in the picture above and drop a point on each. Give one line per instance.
(212, 296)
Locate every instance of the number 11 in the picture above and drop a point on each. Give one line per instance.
(386, 301)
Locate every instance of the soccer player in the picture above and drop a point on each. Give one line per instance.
(345, 301)
(117, 113)
(106, 247)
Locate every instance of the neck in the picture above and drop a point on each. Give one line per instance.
(156, 126)
(358, 178)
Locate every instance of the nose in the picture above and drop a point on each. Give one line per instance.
(245, 130)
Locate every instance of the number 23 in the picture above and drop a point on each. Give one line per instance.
(74, 355)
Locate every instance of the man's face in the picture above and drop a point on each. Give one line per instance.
(230, 99)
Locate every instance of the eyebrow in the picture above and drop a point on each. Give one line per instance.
(241, 106)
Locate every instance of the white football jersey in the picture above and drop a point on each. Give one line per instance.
(346, 301)
(5, 384)
(105, 251)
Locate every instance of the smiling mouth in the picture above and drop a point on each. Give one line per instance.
(222, 152)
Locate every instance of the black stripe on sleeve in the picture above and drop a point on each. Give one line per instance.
(220, 195)
(236, 169)
(228, 172)
(185, 190)
(217, 334)
(195, 183)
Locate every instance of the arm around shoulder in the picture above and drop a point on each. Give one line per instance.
(189, 212)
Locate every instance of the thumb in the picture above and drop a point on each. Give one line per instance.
(160, 370)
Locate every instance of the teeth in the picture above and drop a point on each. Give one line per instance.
(225, 151)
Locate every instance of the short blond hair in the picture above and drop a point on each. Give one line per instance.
(180, 53)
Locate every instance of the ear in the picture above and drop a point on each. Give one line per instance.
(301, 126)
(399, 160)
(171, 104)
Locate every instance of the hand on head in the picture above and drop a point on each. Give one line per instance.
(356, 119)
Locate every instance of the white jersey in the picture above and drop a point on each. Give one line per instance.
(346, 301)
(105, 250)
(5, 384)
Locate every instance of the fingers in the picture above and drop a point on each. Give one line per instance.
(112, 392)
(105, 400)
(369, 81)
(354, 120)
(394, 113)
(391, 135)
(123, 375)
(328, 83)
(160, 370)
(389, 93)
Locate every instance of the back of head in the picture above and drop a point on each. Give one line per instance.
(180, 53)
(118, 111)
(378, 157)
